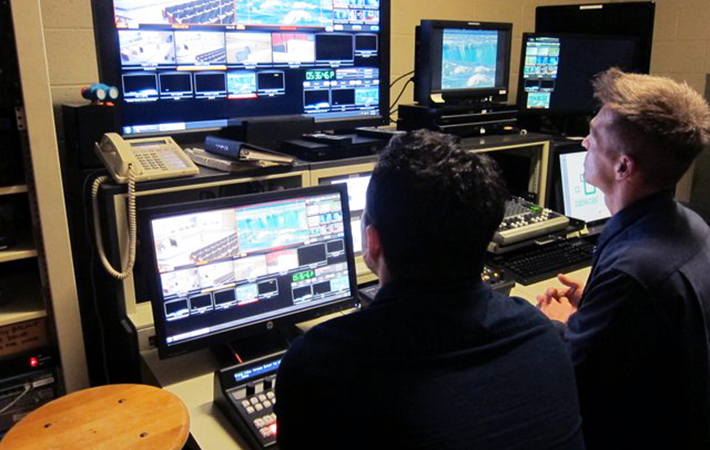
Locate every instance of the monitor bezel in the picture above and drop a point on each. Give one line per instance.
(109, 69)
(425, 52)
(266, 325)
(521, 67)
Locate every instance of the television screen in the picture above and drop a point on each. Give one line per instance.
(630, 19)
(239, 59)
(458, 62)
(233, 267)
(556, 70)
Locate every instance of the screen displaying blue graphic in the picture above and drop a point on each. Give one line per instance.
(285, 12)
(459, 62)
(469, 59)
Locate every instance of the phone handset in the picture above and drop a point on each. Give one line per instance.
(130, 162)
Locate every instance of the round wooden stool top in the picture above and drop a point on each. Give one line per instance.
(117, 416)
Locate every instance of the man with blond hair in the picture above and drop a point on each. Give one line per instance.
(638, 333)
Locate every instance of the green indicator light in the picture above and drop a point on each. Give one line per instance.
(301, 276)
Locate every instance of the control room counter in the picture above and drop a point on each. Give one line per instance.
(191, 378)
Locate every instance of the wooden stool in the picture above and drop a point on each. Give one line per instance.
(118, 416)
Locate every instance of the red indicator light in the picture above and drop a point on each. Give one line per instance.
(272, 428)
(34, 362)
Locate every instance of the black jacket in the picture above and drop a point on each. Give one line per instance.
(430, 366)
(639, 342)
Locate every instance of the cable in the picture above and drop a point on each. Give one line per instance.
(92, 261)
(401, 93)
(131, 254)
(400, 77)
(28, 388)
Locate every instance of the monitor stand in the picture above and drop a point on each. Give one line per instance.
(253, 347)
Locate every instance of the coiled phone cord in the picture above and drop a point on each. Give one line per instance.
(131, 254)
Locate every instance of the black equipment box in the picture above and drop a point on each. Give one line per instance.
(245, 394)
(459, 120)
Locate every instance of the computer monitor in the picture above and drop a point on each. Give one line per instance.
(556, 70)
(355, 174)
(230, 268)
(459, 62)
(580, 200)
(630, 19)
(194, 65)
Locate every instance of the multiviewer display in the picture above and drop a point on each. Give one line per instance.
(556, 70)
(357, 196)
(581, 200)
(198, 64)
(220, 269)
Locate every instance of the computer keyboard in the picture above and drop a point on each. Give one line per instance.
(539, 262)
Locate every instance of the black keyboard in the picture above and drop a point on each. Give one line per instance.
(539, 262)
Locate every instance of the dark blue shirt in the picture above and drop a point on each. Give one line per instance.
(430, 367)
(639, 341)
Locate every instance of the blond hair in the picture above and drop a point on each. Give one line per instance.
(666, 124)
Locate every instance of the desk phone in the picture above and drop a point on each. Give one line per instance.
(245, 394)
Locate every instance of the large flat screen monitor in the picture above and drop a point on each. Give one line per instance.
(460, 62)
(630, 19)
(193, 65)
(235, 267)
(556, 70)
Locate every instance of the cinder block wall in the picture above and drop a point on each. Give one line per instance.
(681, 47)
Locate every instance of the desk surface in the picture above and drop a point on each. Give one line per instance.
(191, 378)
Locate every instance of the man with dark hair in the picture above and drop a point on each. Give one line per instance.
(437, 360)
(638, 333)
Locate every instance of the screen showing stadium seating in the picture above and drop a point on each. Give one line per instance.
(185, 65)
(357, 191)
(556, 70)
(581, 200)
(228, 264)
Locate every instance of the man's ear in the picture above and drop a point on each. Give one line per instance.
(374, 242)
(625, 167)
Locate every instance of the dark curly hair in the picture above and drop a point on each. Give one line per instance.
(435, 206)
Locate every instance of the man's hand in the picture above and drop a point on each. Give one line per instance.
(559, 304)
(572, 294)
(560, 309)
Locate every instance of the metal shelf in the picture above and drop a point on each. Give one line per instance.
(22, 250)
(10, 190)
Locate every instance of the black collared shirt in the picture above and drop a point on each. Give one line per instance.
(430, 366)
(639, 341)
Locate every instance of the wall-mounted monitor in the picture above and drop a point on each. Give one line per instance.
(629, 19)
(195, 65)
(556, 70)
(459, 62)
(235, 267)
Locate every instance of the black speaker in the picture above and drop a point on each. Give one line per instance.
(10, 160)
(270, 132)
(84, 124)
